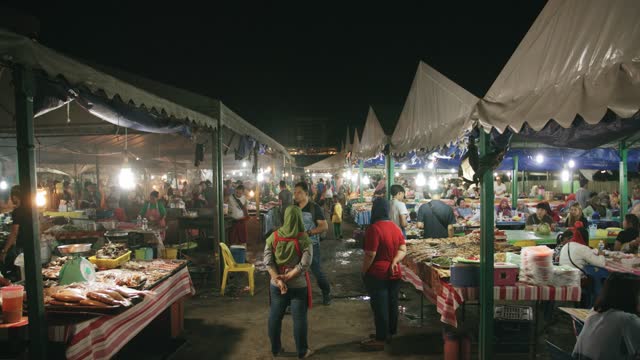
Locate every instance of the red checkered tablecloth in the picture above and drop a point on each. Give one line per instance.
(103, 337)
(617, 266)
(448, 298)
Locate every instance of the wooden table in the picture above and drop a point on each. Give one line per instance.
(578, 314)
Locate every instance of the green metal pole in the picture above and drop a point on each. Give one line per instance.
(360, 177)
(624, 191)
(24, 92)
(390, 167)
(514, 183)
(486, 254)
(217, 140)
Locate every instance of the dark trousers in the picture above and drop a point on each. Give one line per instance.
(384, 303)
(337, 230)
(317, 272)
(297, 298)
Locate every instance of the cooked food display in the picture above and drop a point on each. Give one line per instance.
(112, 251)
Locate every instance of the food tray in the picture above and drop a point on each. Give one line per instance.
(111, 263)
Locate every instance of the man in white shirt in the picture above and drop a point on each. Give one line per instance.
(238, 211)
(499, 188)
(398, 212)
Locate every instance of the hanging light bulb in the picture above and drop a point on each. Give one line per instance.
(397, 174)
(404, 166)
(565, 175)
(433, 183)
(572, 164)
(453, 170)
(354, 177)
(41, 198)
(126, 178)
(365, 180)
(495, 174)
(244, 164)
(260, 177)
(152, 177)
(251, 193)
(268, 169)
(420, 180)
(3, 185)
(431, 165)
(539, 158)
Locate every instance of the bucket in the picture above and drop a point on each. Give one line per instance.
(239, 253)
(12, 303)
(170, 253)
(144, 253)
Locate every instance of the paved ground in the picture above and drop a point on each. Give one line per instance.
(235, 326)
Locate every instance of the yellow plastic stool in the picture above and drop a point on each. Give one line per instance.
(230, 265)
(525, 243)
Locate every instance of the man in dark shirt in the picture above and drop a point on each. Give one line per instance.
(436, 217)
(314, 224)
(285, 198)
(209, 194)
(15, 242)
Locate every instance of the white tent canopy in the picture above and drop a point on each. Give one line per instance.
(435, 114)
(176, 103)
(347, 144)
(355, 147)
(580, 57)
(332, 163)
(373, 137)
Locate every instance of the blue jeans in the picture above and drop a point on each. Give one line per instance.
(317, 272)
(384, 303)
(297, 298)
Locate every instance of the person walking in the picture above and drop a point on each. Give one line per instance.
(399, 210)
(336, 219)
(288, 255)
(384, 248)
(314, 224)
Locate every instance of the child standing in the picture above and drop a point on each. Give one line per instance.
(336, 218)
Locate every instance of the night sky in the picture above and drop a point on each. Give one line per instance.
(273, 62)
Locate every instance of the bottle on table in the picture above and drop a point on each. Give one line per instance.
(139, 221)
(601, 245)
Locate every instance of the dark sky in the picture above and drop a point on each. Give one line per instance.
(272, 62)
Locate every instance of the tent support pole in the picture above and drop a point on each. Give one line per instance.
(486, 254)
(624, 191)
(360, 176)
(514, 183)
(219, 197)
(24, 93)
(390, 167)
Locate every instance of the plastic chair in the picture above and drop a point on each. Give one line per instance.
(230, 265)
(556, 353)
(598, 276)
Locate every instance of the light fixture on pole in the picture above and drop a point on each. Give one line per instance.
(366, 180)
(539, 158)
(565, 175)
(126, 178)
(404, 166)
(244, 164)
(572, 164)
(420, 180)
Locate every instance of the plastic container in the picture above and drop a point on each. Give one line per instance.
(465, 275)
(12, 303)
(170, 253)
(239, 253)
(145, 253)
(505, 274)
(111, 263)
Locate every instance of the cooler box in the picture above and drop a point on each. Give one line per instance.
(505, 274)
(465, 275)
(239, 253)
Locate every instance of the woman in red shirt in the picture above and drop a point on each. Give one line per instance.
(384, 248)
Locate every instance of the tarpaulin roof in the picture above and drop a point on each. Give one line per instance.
(373, 137)
(110, 95)
(435, 114)
(332, 163)
(580, 57)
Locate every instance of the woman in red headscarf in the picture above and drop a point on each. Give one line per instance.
(577, 253)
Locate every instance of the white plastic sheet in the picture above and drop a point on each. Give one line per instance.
(436, 113)
(579, 57)
(355, 147)
(332, 163)
(373, 137)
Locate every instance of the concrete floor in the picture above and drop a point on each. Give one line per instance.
(235, 326)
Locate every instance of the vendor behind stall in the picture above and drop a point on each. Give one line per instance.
(154, 211)
(16, 240)
(91, 197)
